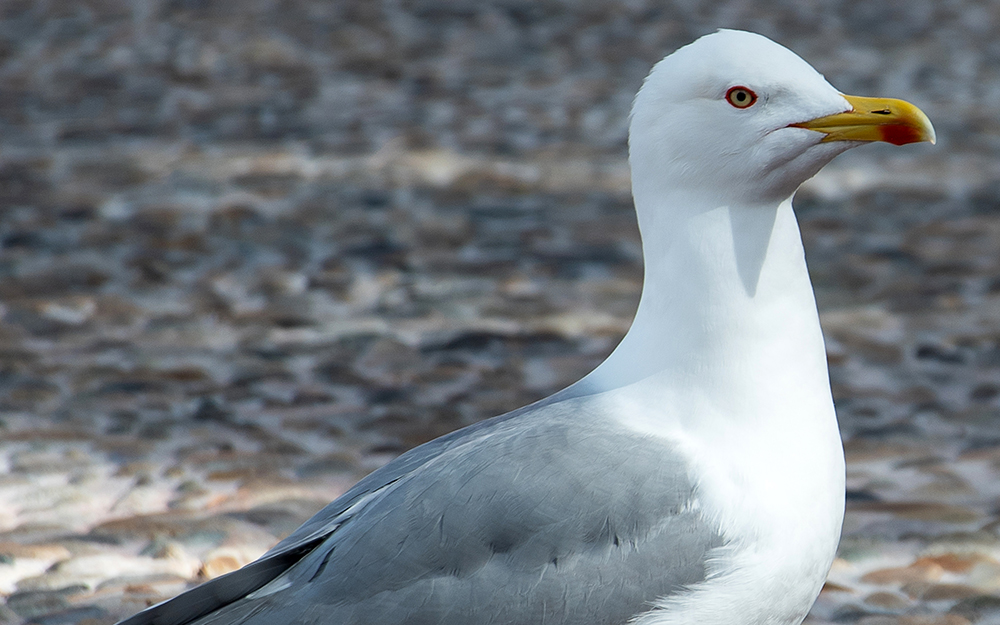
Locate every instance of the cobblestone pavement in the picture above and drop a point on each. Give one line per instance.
(250, 251)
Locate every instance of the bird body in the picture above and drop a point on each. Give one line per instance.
(695, 477)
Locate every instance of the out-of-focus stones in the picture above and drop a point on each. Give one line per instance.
(30, 604)
(920, 511)
(887, 601)
(916, 572)
(981, 609)
(947, 619)
(91, 570)
(50, 552)
(238, 272)
(941, 592)
(227, 559)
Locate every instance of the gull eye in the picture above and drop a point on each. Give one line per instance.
(741, 97)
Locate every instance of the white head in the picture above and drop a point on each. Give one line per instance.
(735, 116)
(723, 131)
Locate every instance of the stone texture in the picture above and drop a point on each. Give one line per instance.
(251, 252)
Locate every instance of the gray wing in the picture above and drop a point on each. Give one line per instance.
(231, 587)
(550, 515)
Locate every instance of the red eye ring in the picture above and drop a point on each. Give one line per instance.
(741, 97)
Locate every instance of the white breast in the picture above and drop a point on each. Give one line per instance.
(774, 488)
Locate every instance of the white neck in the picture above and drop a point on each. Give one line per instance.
(725, 362)
(727, 304)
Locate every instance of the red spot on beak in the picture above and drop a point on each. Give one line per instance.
(899, 134)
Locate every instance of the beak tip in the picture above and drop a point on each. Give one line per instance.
(927, 128)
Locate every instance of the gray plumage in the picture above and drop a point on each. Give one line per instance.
(548, 514)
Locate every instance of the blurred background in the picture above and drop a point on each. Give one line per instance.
(251, 250)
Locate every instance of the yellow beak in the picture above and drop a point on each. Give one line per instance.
(875, 119)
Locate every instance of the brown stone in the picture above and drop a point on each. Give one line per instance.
(227, 559)
(916, 572)
(943, 619)
(887, 600)
(956, 563)
(219, 565)
(920, 510)
(834, 587)
(35, 552)
(948, 592)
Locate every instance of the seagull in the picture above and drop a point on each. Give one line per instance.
(696, 476)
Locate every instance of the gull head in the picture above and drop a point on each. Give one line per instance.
(735, 118)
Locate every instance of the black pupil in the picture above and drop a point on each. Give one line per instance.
(741, 95)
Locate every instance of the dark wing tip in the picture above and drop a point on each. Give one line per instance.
(202, 600)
